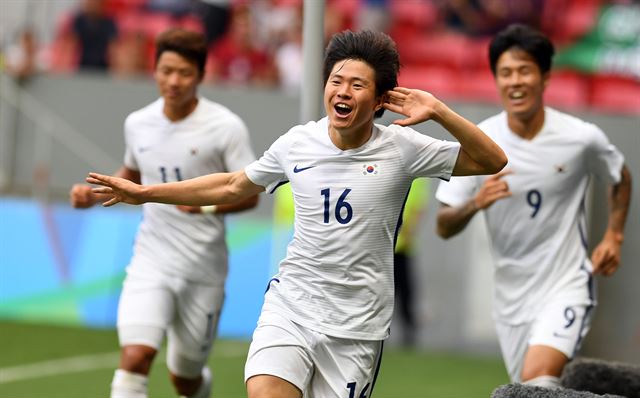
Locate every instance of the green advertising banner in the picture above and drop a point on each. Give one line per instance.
(611, 47)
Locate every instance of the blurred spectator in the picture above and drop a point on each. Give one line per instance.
(374, 15)
(177, 8)
(288, 57)
(95, 33)
(274, 20)
(129, 57)
(23, 58)
(487, 17)
(215, 16)
(235, 59)
(335, 20)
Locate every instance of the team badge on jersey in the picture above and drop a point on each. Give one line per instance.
(560, 168)
(369, 169)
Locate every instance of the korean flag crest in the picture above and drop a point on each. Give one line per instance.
(370, 169)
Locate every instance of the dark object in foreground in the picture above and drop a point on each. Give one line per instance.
(602, 377)
(517, 390)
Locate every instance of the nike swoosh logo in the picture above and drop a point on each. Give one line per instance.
(562, 336)
(297, 170)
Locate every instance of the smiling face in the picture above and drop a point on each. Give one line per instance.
(177, 79)
(350, 100)
(521, 84)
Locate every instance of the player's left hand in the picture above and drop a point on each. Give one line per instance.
(418, 106)
(122, 189)
(606, 256)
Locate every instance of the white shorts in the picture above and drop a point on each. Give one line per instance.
(320, 366)
(187, 312)
(560, 325)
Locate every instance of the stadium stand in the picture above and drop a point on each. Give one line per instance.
(435, 57)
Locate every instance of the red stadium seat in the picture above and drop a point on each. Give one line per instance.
(440, 81)
(478, 86)
(476, 53)
(567, 90)
(567, 20)
(431, 49)
(421, 14)
(191, 22)
(615, 94)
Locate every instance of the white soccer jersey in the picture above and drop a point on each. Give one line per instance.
(211, 139)
(538, 234)
(337, 277)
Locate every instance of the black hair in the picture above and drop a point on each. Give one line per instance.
(190, 45)
(524, 38)
(374, 48)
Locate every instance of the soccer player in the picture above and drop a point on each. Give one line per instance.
(328, 309)
(535, 213)
(175, 281)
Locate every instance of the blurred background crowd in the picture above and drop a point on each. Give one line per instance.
(443, 43)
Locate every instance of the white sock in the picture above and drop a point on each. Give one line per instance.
(544, 381)
(128, 385)
(205, 388)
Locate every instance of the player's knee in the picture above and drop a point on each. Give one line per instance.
(199, 387)
(542, 360)
(137, 358)
(186, 387)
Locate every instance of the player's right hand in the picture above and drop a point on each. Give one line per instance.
(494, 188)
(81, 196)
(418, 106)
(120, 189)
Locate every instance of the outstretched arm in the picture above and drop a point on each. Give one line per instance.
(606, 256)
(245, 204)
(211, 189)
(478, 153)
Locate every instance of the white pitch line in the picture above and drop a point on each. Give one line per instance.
(82, 364)
(58, 366)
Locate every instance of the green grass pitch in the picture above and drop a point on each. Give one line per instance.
(66, 362)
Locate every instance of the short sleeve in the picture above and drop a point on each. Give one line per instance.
(130, 161)
(457, 191)
(426, 156)
(604, 160)
(268, 171)
(238, 152)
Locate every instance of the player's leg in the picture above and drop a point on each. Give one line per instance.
(144, 311)
(345, 368)
(404, 296)
(267, 386)
(543, 366)
(513, 345)
(556, 335)
(191, 335)
(278, 363)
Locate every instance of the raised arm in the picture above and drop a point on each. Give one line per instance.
(478, 153)
(211, 189)
(606, 256)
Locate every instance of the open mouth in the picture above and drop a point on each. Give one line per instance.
(516, 95)
(342, 109)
